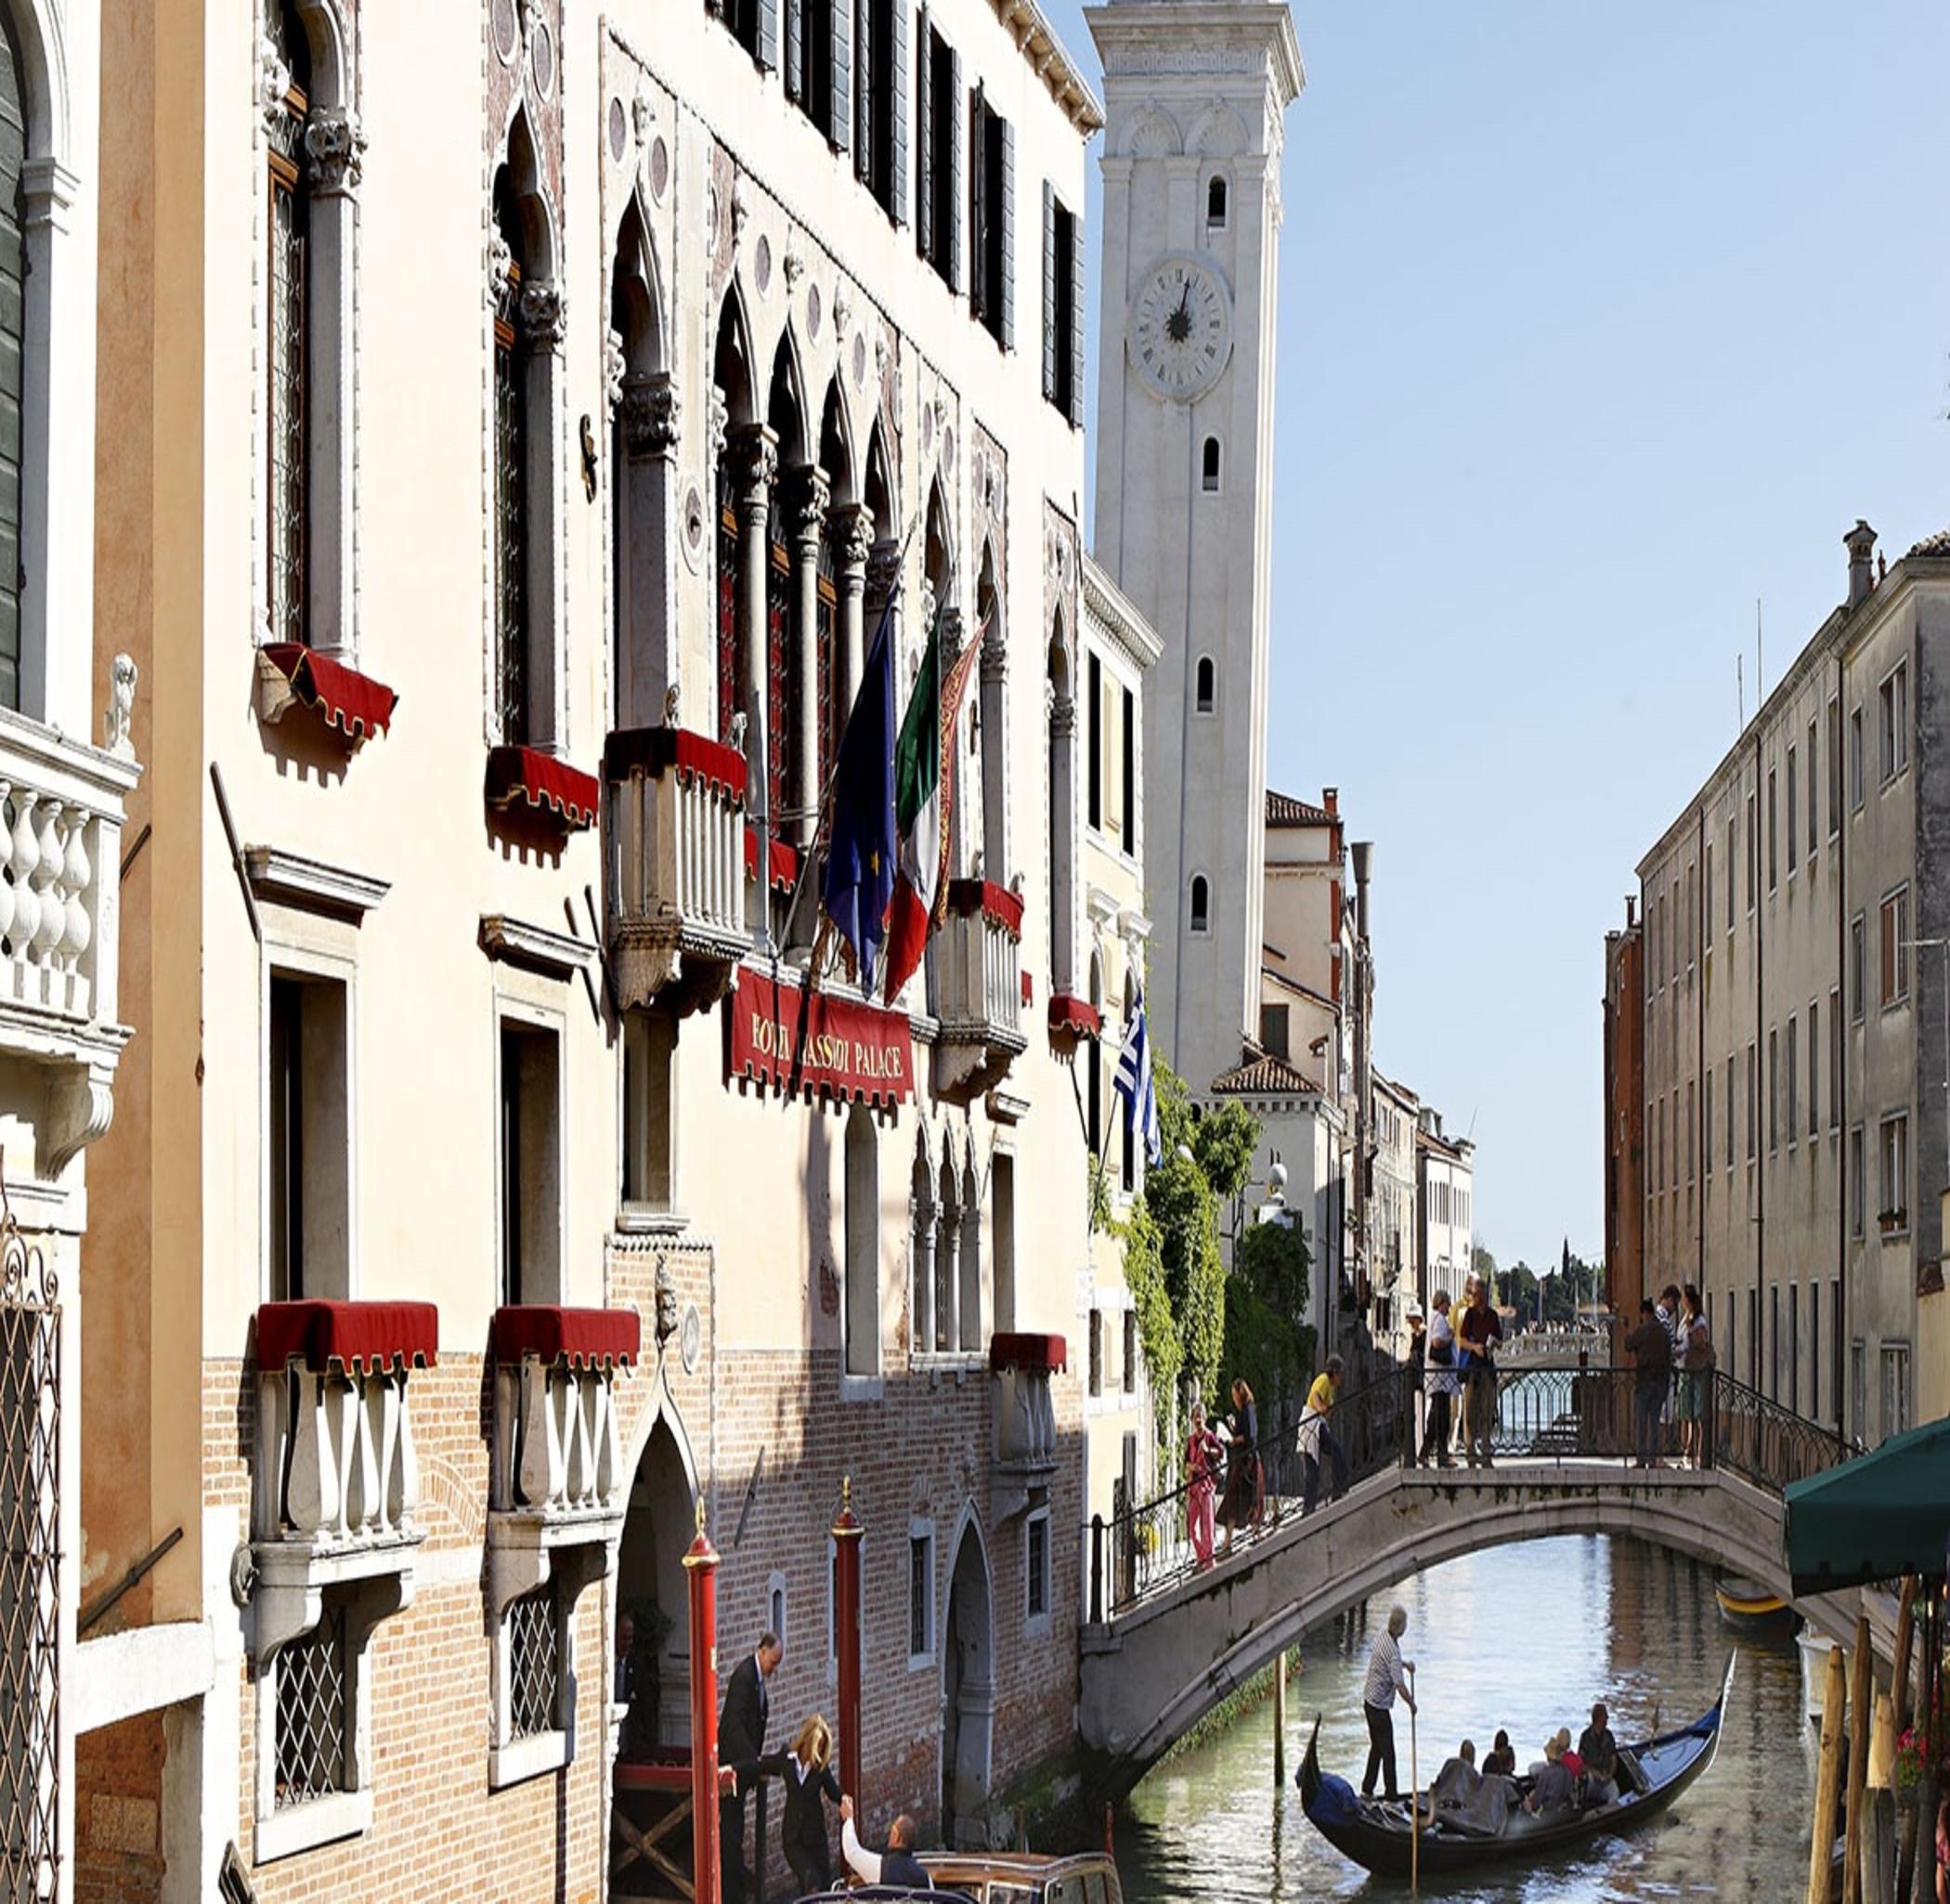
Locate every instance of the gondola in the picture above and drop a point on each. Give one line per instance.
(1377, 1835)
(1750, 1608)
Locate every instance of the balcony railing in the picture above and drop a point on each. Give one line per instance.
(1025, 1418)
(979, 990)
(675, 865)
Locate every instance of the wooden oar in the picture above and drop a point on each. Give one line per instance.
(1414, 1799)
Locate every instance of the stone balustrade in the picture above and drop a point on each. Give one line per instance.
(675, 860)
(978, 988)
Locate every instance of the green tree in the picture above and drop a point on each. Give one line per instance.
(1267, 1339)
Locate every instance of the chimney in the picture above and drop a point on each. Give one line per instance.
(1363, 851)
(1860, 543)
(1631, 906)
(1331, 799)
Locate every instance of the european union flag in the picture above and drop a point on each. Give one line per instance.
(859, 878)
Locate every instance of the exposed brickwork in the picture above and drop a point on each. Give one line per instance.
(117, 1803)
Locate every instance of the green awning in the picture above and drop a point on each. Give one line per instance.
(1875, 1517)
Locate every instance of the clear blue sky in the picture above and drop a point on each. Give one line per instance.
(1598, 323)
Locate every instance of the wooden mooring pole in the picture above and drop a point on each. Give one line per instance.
(1279, 1721)
(1821, 1847)
(1861, 1687)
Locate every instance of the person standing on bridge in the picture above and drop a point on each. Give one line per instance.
(1442, 1384)
(1388, 1674)
(1204, 1458)
(1482, 1330)
(1650, 1347)
(1318, 1440)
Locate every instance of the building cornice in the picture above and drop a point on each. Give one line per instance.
(1036, 40)
(1120, 617)
(1190, 36)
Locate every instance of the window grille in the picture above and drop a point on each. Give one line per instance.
(287, 279)
(314, 1686)
(511, 538)
(534, 1664)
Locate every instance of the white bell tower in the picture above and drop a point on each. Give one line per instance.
(1196, 93)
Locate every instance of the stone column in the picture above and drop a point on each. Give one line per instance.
(544, 328)
(646, 557)
(808, 494)
(853, 527)
(1062, 842)
(994, 797)
(947, 1281)
(754, 453)
(883, 580)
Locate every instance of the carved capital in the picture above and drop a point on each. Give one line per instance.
(753, 452)
(81, 1104)
(807, 495)
(953, 630)
(995, 656)
(501, 275)
(853, 530)
(616, 366)
(1062, 715)
(717, 420)
(883, 570)
(274, 77)
(336, 146)
(652, 414)
(544, 314)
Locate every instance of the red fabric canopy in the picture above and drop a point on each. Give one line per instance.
(783, 855)
(366, 1337)
(353, 704)
(581, 1338)
(1074, 1017)
(675, 750)
(996, 904)
(1027, 1351)
(1029, 989)
(521, 774)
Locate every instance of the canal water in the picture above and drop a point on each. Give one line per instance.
(1523, 1637)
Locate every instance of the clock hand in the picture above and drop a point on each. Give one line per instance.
(1184, 309)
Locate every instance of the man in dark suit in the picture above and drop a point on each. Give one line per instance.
(741, 1738)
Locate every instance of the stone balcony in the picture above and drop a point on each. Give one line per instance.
(61, 863)
(978, 990)
(1025, 1447)
(336, 1486)
(558, 1481)
(674, 865)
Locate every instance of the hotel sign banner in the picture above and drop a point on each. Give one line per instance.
(797, 1042)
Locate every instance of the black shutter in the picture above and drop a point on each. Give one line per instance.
(978, 205)
(1130, 772)
(957, 169)
(1094, 734)
(864, 93)
(1076, 321)
(795, 51)
(1049, 293)
(1006, 212)
(767, 51)
(840, 109)
(13, 363)
(923, 139)
(895, 86)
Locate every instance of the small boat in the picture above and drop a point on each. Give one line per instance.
(1378, 1835)
(998, 1877)
(1750, 1608)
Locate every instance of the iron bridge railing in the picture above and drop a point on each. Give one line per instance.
(1551, 1415)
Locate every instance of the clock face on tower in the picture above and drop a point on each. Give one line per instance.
(1181, 328)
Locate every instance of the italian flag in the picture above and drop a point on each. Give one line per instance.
(923, 796)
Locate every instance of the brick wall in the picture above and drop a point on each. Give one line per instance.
(117, 1803)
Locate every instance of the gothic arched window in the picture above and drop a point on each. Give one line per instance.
(1201, 904)
(1216, 203)
(289, 280)
(1206, 686)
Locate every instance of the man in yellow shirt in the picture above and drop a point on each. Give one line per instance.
(1318, 1441)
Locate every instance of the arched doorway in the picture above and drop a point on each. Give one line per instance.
(967, 1697)
(658, 1529)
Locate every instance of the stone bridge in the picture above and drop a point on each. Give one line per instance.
(1153, 1669)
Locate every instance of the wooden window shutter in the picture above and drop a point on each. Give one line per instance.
(1049, 293)
(1076, 321)
(924, 138)
(978, 204)
(767, 53)
(795, 51)
(864, 93)
(957, 168)
(895, 85)
(1006, 291)
(840, 106)
(1889, 950)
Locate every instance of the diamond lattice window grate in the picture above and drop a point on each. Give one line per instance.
(313, 1690)
(534, 1664)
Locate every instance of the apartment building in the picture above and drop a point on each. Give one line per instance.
(1794, 984)
(526, 427)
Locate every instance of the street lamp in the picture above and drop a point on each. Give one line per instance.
(1943, 946)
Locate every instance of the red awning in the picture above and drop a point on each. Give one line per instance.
(783, 855)
(581, 1338)
(522, 775)
(1029, 989)
(1072, 1017)
(366, 1338)
(1048, 1353)
(996, 904)
(675, 750)
(786, 1038)
(292, 674)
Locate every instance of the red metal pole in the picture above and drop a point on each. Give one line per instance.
(701, 1570)
(847, 1533)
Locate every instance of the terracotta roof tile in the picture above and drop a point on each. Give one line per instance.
(1283, 810)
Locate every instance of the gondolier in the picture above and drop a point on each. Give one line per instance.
(1388, 1674)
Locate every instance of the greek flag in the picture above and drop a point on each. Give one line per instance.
(1134, 1082)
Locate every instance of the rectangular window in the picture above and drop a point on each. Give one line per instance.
(1127, 763)
(308, 1156)
(1774, 835)
(1895, 1389)
(992, 220)
(1774, 1336)
(1814, 1351)
(1707, 1124)
(1096, 1351)
(1753, 1340)
(1062, 308)
(938, 155)
(1753, 1103)
(1835, 1059)
(286, 411)
(1002, 1241)
(1794, 1348)
(1730, 1094)
(1858, 1189)
(1858, 1390)
(1773, 1091)
(1094, 741)
(1793, 847)
(1130, 1351)
(1834, 768)
(809, 72)
(881, 94)
(531, 1164)
(1895, 948)
(1858, 967)
(314, 1675)
(1035, 1554)
(1835, 1352)
(649, 1126)
(1792, 1082)
(1706, 897)
(1892, 724)
(1894, 1186)
(1692, 1132)
(1273, 1029)
(920, 1593)
(1753, 849)
(1856, 771)
(1814, 782)
(534, 1663)
(1733, 828)
(1813, 1067)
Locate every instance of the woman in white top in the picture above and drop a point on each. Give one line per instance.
(1440, 1381)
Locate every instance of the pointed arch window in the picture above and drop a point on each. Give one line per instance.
(511, 712)
(288, 276)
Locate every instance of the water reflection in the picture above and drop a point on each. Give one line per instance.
(1525, 1638)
